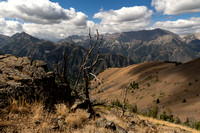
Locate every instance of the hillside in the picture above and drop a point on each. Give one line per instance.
(32, 99)
(145, 45)
(176, 86)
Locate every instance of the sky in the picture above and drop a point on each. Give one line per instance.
(57, 19)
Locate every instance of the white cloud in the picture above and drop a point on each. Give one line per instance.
(180, 26)
(54, 31)
(175, 7)
(41, 18)
(38, 11)
(10, 27)
(124, 19)
(49, 21)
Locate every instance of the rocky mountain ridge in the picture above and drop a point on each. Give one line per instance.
(145, 45)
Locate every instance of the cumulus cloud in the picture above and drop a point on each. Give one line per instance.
(55, 32)
(175, 7)
(38, 11)
(10, 27)
(181, 26)
(124, 19)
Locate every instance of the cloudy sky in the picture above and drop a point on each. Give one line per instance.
(57, 19)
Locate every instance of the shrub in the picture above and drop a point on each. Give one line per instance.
(116, 103)
(134, 109)
(154, 112)
(170, 118)
(184, 101)
(157, 101)
(148, 84)
(187, 122)
(134, 85)
(197, 125)
(163, 116)
(166, 117)
(177, 121)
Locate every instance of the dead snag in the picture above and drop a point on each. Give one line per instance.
(86, 68)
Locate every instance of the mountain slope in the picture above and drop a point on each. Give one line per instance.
(145, 45)
(193, 40)
(169, 83)
(3, 38)
(22, 44)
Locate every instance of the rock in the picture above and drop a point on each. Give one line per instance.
(142, 123)
(110, 125)
(102, 122)
(22, 77)
(120, 130)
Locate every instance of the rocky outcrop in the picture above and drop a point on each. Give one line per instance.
(21, 77)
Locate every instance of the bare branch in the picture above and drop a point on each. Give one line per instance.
(97, 79)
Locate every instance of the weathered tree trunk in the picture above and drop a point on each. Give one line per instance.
(124, 103)
(86, 70)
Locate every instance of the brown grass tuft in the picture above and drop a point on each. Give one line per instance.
(93, 129)
(62, 110)
(77, 118)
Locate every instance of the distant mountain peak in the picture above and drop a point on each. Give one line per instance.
(22, 34)
(25, 36)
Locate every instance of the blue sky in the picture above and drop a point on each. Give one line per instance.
(57, 19)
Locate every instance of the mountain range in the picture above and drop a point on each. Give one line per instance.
(146, 45)
(22, 44)
(118, 49)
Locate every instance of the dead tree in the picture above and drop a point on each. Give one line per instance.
(87, 68)
(124, 102)
(64, 91)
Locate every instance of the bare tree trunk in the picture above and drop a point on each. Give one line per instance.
(86, 70)
(124, 102)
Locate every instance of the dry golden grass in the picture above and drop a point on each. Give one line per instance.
(93, 129)
(77, 118)
(62, 110)
(21, 116)
(161, 122)
(36, 119)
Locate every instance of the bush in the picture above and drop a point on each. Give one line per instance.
(154, 112)
(134, 109)
(187, 122)
(184, 101)
(163, 116)
(177, 121)
(166, 117)
(116, 103)
(157, 101)
(134, 85)
(197, 125)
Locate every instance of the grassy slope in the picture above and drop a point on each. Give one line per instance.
(157, 80)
